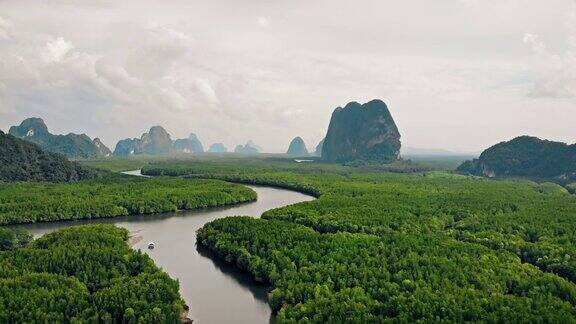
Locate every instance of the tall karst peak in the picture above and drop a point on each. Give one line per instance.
(362, 132)
(297, 147)
(76, 146)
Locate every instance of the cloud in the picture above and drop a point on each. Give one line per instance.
(537, 45)
(263, 21)
(207, 90)
(57, 49)
(555, 73)
(5, 26)
(229, 76)
(557, 79)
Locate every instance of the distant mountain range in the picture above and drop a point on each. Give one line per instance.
(72, 145)
(297, 147)
(217, 148)
(189, 145)
(364, 132)
(357, 132)
(525, 156)
(157, 141)
(248, 148)
(21, 160)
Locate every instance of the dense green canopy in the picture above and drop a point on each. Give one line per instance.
(24, 161)
(526, 156)
(402, 247)
(85, 274)
(113, 196)
(76, 146)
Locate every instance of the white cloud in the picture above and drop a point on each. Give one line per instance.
(99, 68)
(555, 73)
(537, 45)
(207, 90)
(263, 21)
(5, 26)
(57, 49)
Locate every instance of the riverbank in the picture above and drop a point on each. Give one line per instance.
(215, 292)
(134, 238)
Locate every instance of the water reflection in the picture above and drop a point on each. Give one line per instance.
(216, 291)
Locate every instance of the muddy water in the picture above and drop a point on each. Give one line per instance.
(215, 291)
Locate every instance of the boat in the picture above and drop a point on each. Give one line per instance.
(151, 245)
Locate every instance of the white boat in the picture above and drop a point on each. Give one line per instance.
(151, 245)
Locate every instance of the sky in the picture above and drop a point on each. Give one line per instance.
(458, 75)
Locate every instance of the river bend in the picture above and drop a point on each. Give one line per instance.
(215, 291)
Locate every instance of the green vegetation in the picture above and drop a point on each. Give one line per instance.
(438, 162)
(13, 238)
(572, 187)
(407, 247)
(85, 274)
(113, 196)
(365, 278)
(116, 164)
(74, 146)
(550, 188)
(236, 165)
(24, 161)
(528, 157)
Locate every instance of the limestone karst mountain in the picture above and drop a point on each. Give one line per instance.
(525, 156)
(297, 147)
(217, 148)
(362, 132)
(189, 145)
(128, 146)
(249, 148)
(318, 149)
(101, 149)
(156, 141)
(75, 146)
(21, 160)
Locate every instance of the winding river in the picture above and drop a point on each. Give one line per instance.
(216, 292)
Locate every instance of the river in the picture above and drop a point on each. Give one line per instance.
(215, 291)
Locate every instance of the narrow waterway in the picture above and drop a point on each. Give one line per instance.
(215, 291)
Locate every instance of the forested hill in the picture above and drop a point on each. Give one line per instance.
(378, 247)
(85, 274)
(75, 146)
(24, 161)
(525, 156)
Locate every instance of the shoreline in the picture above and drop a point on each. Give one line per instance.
(184, 316)
(134, 238)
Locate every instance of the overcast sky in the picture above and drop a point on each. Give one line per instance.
(456, 74)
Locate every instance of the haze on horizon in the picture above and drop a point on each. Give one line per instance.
(458, 75)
